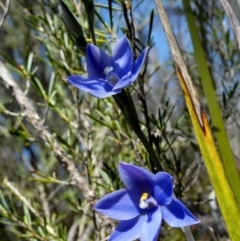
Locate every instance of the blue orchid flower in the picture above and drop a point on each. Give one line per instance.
(108, 75)
(141, 207)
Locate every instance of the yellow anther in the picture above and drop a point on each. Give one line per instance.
(144, 196)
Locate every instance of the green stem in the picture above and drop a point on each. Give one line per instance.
(156, 164)
(125, 103)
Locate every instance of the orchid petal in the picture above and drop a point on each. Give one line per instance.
(96, 87)
(138, 64)
(97, 60)
(122, 59)
(102, 94)
(124, 82)
(107, 75)
(177, 215)
(120, 205)
(163, 188)
(136, 178)
(151, 226)
(128, 230)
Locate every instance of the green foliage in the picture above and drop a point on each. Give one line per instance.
(38, 198)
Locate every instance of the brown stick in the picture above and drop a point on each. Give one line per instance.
(233, 21)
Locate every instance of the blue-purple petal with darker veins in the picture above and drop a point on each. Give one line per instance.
(124, 82)
(163, 188)
(151, 226)
(97, 60)
(128, 230)
(136, 178)
(177, 215)
(99, 88)
(119, 205)
(138, 64)
(122, 59)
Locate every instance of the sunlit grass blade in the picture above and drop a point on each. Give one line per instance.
(214, 165)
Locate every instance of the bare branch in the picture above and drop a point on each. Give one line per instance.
(10, 113)
(33, 117)
(5, 12)
(179, 61)
(233, 20)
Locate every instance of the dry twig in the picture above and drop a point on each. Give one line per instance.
(5, 12)
(233, 20)
(33, 117)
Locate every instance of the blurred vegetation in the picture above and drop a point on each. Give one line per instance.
(38, 201)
